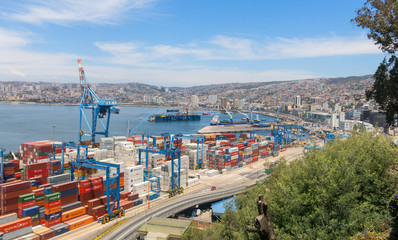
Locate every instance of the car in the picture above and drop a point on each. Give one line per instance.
(213, 188)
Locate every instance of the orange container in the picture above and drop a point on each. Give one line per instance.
(73, 213)
(79, 222)
(52, 210)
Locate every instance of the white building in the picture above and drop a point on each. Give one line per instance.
(194, 101)
(297, 101)
(348, 125)
(212, 99)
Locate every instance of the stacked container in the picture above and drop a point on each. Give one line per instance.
(36, 170)
(52, 209)
(132, 176)
(69, 192)
(9, 196)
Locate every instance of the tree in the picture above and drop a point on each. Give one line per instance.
(381, 19)
(334, 193)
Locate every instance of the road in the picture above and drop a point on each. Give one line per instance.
(235, 180)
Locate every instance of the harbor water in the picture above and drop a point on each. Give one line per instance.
(27, 123)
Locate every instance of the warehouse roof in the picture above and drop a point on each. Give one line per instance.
(164, 228)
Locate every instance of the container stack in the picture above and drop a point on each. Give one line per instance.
(132, 176)
(85, 191)
(69, 192)
(255, 152)
(44, 232)
(59, 179)
(262, 149)
(16, 228)
(156, 160)
(52, 209)
(36, 171)
(125, 152)
(54, 167)
(74, 213)
(27, 208)
(8, 171)
(40, 151)
(10, 193)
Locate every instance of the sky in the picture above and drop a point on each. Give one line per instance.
(182, 43)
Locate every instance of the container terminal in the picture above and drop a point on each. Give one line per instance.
(51, 189)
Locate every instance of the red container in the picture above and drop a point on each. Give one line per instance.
(38, 192)
(13, 187)
(15, 225)
(126, 204)
(64, 186)
(84, 184)
(26, 205)
(94, 203)
(52, 222)
(69, 199)
(15, 194)
(53, 204)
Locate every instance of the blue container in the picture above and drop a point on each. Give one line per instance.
(33, 183)
(52, 216)
(60, 229)
(8, 164)
(41, 213)
(30, 211)
(47, 190)
(9, 176)
(137, 201)
(69, 192)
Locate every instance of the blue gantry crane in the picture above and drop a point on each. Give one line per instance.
(171, 151)
(99, 107)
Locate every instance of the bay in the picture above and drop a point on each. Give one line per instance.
(28, 123)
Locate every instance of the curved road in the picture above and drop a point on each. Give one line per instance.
(128, 228)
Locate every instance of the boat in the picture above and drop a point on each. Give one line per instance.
(172, 110)
(175, 117)
(206, 113)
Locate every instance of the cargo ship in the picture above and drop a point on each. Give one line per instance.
(175, 117)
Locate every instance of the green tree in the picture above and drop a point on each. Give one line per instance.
(381, 19)
(334, 193)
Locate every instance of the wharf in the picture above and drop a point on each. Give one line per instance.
(230, 128)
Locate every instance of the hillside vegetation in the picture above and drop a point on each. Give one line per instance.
(338, 192)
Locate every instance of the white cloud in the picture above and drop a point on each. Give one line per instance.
(9, 38)
(230, 49)
(17, 73)
(73, 11)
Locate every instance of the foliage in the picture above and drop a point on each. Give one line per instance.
(380, 17)
(385, 89)
(338, 192)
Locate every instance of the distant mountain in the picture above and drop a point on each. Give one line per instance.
(347, 79)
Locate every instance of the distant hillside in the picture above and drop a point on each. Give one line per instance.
(347, 79)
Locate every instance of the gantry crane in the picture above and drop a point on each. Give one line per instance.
(100, 107)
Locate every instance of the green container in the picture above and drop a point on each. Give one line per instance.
(26, 197)
(39, 198)
(41, 207)
(52, 197)
(35, 216)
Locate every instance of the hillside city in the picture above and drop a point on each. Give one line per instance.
(338, 103)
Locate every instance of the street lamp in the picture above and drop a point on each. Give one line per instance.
(53, 135)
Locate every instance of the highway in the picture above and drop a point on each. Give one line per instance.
(126, 230)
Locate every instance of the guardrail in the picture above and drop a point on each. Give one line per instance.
(166, 207)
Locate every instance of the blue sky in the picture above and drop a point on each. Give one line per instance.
(182, 42)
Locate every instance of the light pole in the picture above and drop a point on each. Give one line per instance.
(53, 135)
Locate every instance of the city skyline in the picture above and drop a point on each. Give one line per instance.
(176, 43)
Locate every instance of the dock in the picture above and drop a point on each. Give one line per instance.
(229, 129)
